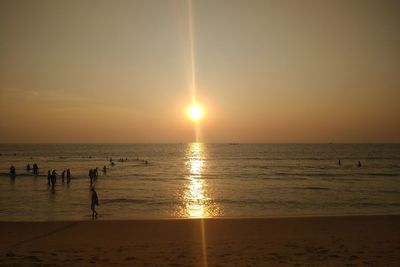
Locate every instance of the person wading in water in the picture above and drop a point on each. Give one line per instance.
(95, 202)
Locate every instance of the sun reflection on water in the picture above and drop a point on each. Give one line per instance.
(197, 203)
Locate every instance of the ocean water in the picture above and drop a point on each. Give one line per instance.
(201, 180)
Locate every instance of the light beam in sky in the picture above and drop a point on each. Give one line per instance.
(191, 47)
(195, 112)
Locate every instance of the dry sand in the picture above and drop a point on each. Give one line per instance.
(314, 241)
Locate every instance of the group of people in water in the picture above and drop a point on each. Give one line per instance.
(35, 168)
(93, 173)
(52, 177)
(340, 163)
(126, 159)
(66, 176)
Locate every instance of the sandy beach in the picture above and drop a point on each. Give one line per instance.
(308, 241)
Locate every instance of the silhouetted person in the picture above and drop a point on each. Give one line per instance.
(28, 168)
(35, 169)
(112, 163)
(12, 170)
(53, 178)
(48, 177)
(95, 202)
(104, 169)
(63, 176)
(339, 162)
(91, 175)
(68, 176)
(359, 163)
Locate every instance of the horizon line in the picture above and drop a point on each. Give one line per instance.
(190, 142)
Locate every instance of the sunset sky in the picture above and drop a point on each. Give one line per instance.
(265, 71)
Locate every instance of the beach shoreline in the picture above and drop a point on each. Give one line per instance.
(278, 241)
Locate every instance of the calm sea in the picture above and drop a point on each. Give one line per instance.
(201, 180)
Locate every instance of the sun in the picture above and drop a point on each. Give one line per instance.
(195, 112)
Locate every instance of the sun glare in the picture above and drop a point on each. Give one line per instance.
(195, 112)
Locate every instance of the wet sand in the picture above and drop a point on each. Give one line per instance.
(312, 241)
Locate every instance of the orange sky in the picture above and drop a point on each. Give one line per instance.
(266, 71)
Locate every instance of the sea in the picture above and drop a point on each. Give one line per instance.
(198, 180)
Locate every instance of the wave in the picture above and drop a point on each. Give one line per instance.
(123, 200)
(22, 175)
(257, 201)
(314, 188)
(305, 174)
(378, 205)
(389, 191)
(384, 174)
(333, 159)
(153, 179)
(291, 179)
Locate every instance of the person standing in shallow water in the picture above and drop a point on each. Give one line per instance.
(48, 177)
(91, 176)
(53, 178)
(35, 169)
(12, 170)
(95, 202)
(68, 176)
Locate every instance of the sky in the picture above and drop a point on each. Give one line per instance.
(264, 71)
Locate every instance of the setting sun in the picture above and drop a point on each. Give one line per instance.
(195, 112)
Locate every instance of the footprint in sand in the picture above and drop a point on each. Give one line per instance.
(36, 251)
(353, 257)
(93, 260)
(33, 258)
(299, 254)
